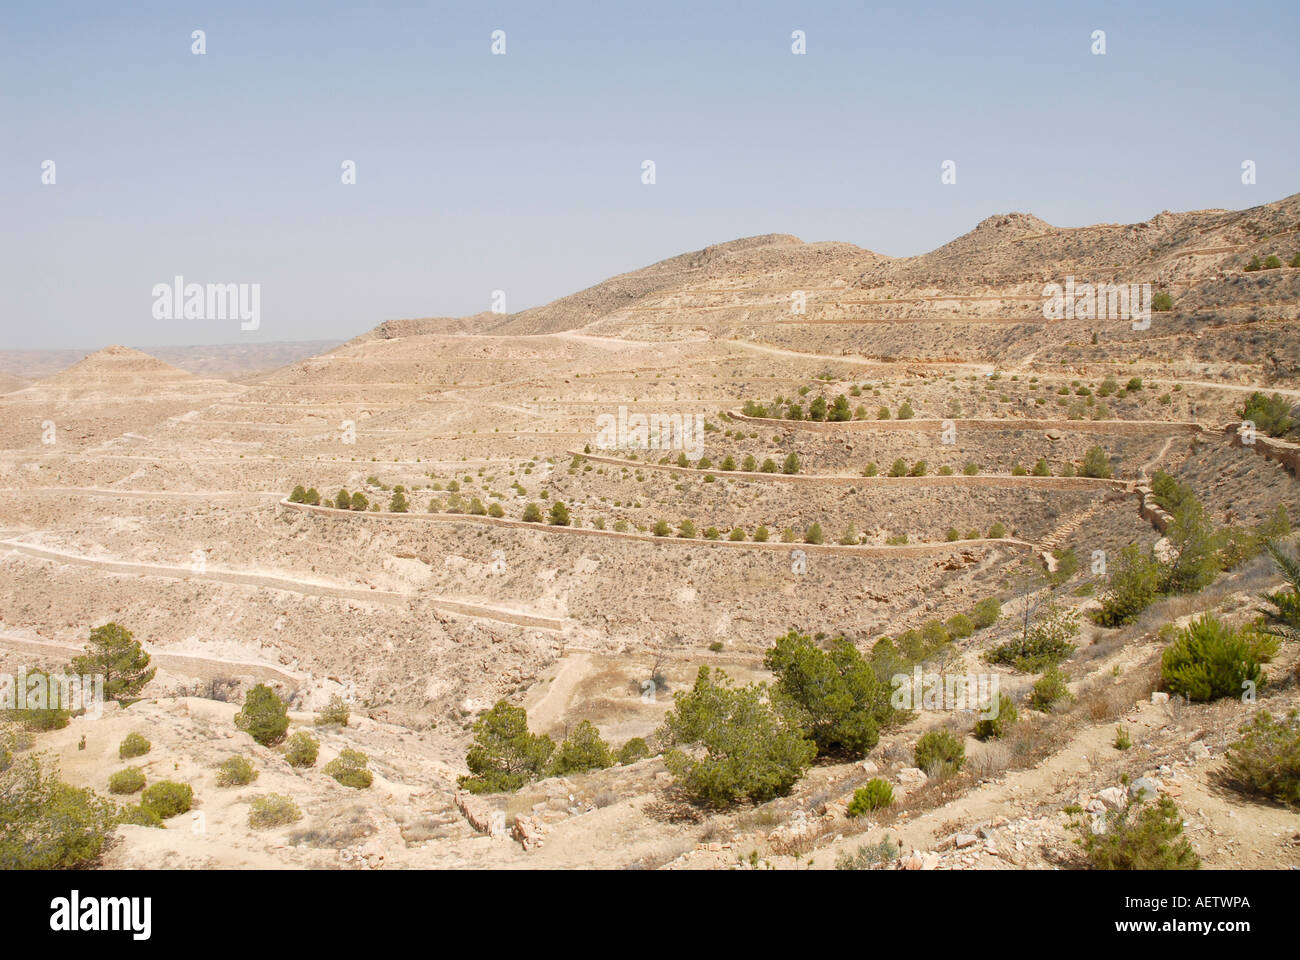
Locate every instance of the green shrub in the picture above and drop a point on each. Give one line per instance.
(1209, 660)
(559, 515)
(1122, 739)
(1266, 760)
(869, 857)
(582, 750)
(835, 696)
(236, 772)
(1271, 415)
(47, 824)
(168, 798)
(133, 745)
(1150, 840)
(505, 755)
(898, 468)
(986, 613)
(272, 810)
(127, 780)
(1132, 586)
(939, 751)
(992, 728)
(496, 510)
(791, 464)
(814, 534)
(350, 769)
(1162, 302)
(301, 750)
(959, 625)
(1272, 262)
(1050, 689)
(139, 815)
(1046, 643)
(1096, 463)
(875, 794)
(740, 746)
(632, 751)
(1195, 550)
(997, 531)
(264, 716)
(532, 513)
(1067, 565)
(336, 713)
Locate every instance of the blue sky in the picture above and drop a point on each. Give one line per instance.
(523, 172)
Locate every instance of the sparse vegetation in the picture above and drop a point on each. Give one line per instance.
(264, 716)
(1266, 760)
(938, 753)
(236, 772)
(133, 745)
(351, 769)
(126, 780)
(167, 798)
(1209, 660)
(728, 743)
(272, 810)
(874, 795)
(1138, 836)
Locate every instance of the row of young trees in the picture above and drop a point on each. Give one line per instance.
(837, 411)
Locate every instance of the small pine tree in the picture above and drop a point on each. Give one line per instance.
(112, 654)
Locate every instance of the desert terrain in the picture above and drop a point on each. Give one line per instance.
(160, 498)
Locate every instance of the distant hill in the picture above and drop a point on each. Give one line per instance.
(228, 361)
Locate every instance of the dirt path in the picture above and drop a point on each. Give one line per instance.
(464, 608)
(554, 703)
(192, 665)
(133, 568)
(1142, 470)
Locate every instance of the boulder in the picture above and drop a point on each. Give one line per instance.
(1143, 788)
(1112, 797)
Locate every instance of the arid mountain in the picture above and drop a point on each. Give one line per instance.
(1013, 254)
(442, 514)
